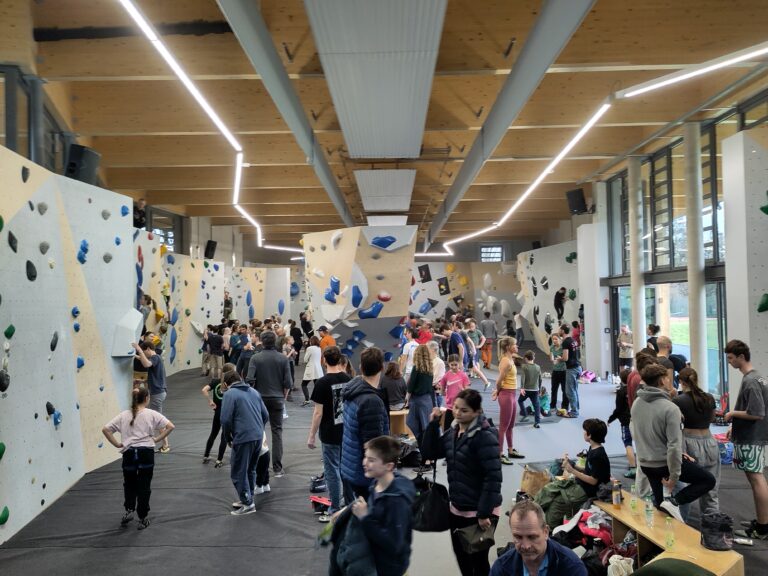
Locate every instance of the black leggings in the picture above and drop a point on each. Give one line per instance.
(298, 351)
(699, 482)
(138, 468)
(558, 381)
(215, 428)
(305, 388)
(476, 564)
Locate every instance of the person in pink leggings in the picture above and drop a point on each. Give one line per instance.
(506, 393)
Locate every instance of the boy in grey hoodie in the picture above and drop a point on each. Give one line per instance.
(657, 429)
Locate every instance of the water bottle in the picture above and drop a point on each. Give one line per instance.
(633, 500)
(649, 508)
(669, 533)
(616, 494)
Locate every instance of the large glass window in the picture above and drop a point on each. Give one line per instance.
(492, 253)
(166, 226)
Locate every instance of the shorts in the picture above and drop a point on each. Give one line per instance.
(156, 401)
(626, 436)
(749, 457)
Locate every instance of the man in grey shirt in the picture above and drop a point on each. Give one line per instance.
(488, 329)
(269, 372)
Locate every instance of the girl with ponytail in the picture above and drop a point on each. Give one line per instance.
(136, 427)
(218, 386)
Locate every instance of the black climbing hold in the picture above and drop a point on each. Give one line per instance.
(35, 415)
(42, 207)
(31, 206)
(31, 271)
(49, 408)
(44, 246)
(42, 502)
(24, 174)
(12, 242)
(43, 485)
(5, 380)
(54, 341)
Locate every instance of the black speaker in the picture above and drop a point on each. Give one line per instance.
(82, 164)
(536, 244)
(210, 249)
(577, 204)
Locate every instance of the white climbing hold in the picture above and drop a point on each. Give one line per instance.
(336, 238)
(487, 281)
(350, 324)
(318, 273)
(367, 343)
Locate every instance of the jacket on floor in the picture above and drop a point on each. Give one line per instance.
(474, 468)
(657, 430)
(243, 414)
(388, 526)
(365, 417)
(560, 560)
(269, 372)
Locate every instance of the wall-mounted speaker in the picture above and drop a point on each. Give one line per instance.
(210, 249)
(577, 204)
(82, 164)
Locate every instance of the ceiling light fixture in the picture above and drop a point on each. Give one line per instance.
(283, 248)
(259, 237)
(238, 178)
(755, 51)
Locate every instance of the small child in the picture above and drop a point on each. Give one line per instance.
(262, 468)
(622, 414)
(544, 401)
(454, 381)
(386, 518)
(137, 444)
(531, 383)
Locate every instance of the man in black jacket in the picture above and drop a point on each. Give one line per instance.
(269, 372)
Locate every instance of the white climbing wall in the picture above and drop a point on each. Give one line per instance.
(65, 267)
(259, 292)
(541, 273)
(745, 194)
(298, 292)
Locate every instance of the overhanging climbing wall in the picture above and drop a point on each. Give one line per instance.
(67, 319)
(358, 283)
(541, 274)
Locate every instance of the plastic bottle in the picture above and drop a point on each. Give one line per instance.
(616, 494)
(633, 500)
(669, 533)
(649, 509)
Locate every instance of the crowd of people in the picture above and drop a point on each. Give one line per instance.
(250, 370)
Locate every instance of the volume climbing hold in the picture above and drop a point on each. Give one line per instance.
(372, 311)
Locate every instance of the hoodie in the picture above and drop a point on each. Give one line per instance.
(243, 414)
(365, 417)
(388, 526)
(657, 429)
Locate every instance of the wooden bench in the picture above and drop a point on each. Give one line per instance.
(687, 545)
(397, 425)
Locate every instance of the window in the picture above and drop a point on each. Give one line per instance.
(492, 253)
(166, 226)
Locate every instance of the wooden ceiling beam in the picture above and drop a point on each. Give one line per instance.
(320, 211)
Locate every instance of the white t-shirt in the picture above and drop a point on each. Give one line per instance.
(438, 369)
(408, 349)
(140, 434)
(518, 321)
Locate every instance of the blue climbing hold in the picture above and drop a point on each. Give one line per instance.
(281, 306)
(173, 283)
(330, 296)
(352, 344)
(372, 311)
(251, 313)
(171, 259)
(80, 362)
(396, 332)
(75, 311)
(174, 336)
(383, 242)
(358, 335)
(81, 257)
(295, 289)
(139, 275)
(84, 246)
(335, 285)
(347, 352)
(118, 241)
(76, 327)
(136, 233)
(173, 354)
(415, 295)
(174, 317)
(357, 296)
(216, 267)
(248, 298)
(56, 418)
(424, 308)
(124, 210)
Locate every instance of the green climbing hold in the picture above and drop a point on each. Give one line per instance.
(763, 209)
(4, 516)
(2, 223)
(10, 331)
(205, 263)
(763, 306)
(2, 450)
(187, 312)
(573, 255)
(572, 294)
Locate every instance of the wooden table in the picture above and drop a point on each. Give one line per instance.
(397, 425)
(687, 544)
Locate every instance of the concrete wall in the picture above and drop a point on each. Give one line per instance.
(65, 245)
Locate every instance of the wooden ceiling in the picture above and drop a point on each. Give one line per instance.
(122, 99)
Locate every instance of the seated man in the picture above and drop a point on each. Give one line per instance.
(564, 497)
(534, 553)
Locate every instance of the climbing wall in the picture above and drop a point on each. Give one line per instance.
(495, 288)
(358, 282)
(258, 292)
(541, 273)
(67, 319)
(298, 292)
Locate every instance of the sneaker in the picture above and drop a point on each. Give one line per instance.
(506, 460)
(244, 509)
(487, 385)
(514, 454)
(218, 464)
(143, 523)
(536, 425)
(672, 509)
(164, 449)
(631, 473)
(265, 489)
(306, 403)
(324, 518)
(524, 418)
(279, 474)
(753, 533)
(749, 523)
(237, 504)
(285, 415)
(127, 517)
(206, 459)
